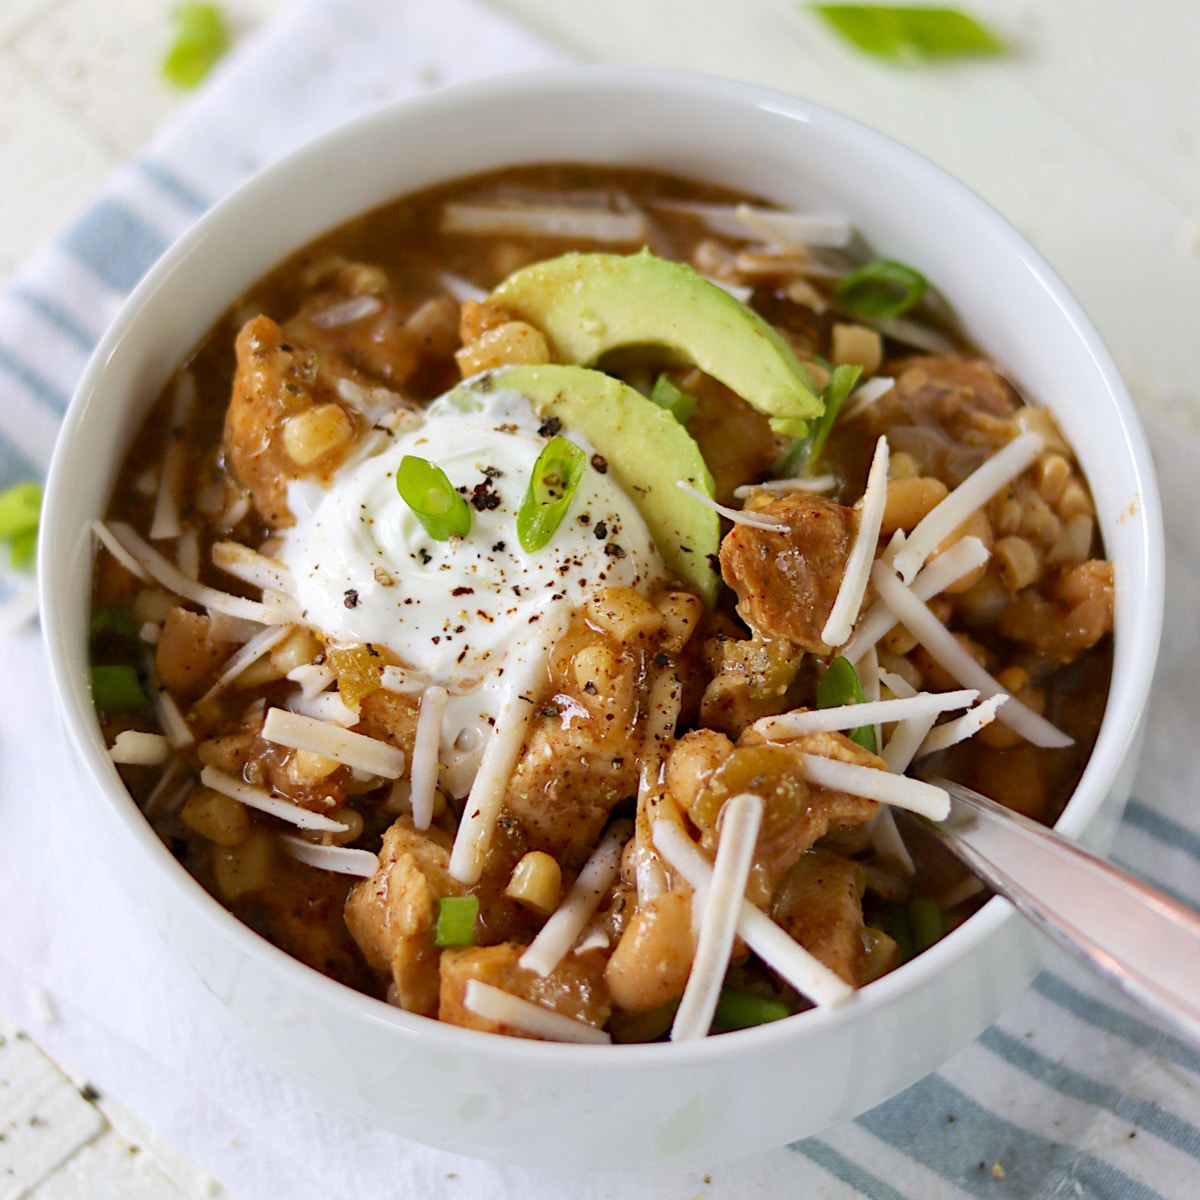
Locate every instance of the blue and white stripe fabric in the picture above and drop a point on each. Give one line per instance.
(1072, 1094)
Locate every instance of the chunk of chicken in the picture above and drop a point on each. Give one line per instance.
(787, 580)
(188, 656)
(392, 915)
(575, 988)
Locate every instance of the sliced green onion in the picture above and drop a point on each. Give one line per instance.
(112, 618)
(20, 507)
(455, 924)
(910, 34)
(201, 38)
(118, 689)
(667, 394)
(22, 550)
(443, 513)
(883, 288)
(802, 453)
(925, 920)
(741, 1010)
(556, 475)
(840, 686)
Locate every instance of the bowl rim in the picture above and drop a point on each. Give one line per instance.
(1139, 644)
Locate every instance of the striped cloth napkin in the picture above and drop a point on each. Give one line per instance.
(1072, 1094)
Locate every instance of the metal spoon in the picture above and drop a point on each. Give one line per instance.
(1131, 933)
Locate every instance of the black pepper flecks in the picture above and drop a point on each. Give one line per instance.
(550, 427)
(350, 598)
(484, 495)
(600, 464)
(601, 530)
(613, 550)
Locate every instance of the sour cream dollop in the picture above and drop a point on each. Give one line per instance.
(365, 570)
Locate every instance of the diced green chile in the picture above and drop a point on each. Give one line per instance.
(455, 925)
(742, 1010)
(925, 921)
(883, 288)
(839, 686)
(423, 486)
(556, 476)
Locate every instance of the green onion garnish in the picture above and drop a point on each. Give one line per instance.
(455, 924)
(667, 394)
(925, 920)
(741, 1010)
(20, 507)
(898, 927)
(910, 34)
(840, 686)
(112, 618)
(802, 453)
(201, 38)
(118, 689)
(883, 288)
(425, 489)
(556, 475)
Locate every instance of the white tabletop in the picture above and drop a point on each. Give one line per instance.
(1087, 136)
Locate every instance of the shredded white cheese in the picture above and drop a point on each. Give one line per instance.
(313, 678)
(426, 742)
(736, 515)
(858, 566)
(141, 749)
(785, 487)
(974, 492)
(265, 640)
(403, 680)
(851, 716)
(566, 923)
(547, 220)
(342, 860)
(251, 567)
(105, 537)
(664, 702)
(740, 818)
(806, 973)
(940, 643)
(965, 556)
(154, 566)
(906, 739)
(170, 719)
(524, 1016)
(187, 553)
(524, 675)
(887, 842)
(263, 801)
(969, 724)
(873, 784)
(342, 745)
(325, 706)
(865, 396)
(793, 230)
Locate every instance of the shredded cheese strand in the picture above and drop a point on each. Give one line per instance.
(426, 743)
(342, 860)
(163, 571)
(740, 818)
(166, 523)
(784, 487)
(105, 537)
(141, 749)
(965, 556)
(873, 784)
(263, 801)
(865, 396)
(251, 567)
(300, 732)
(525, 1016)
(263, 641)
(940, 643)
(851, 716)
(566, 923)
(974, 492)
(736, 515)
(663, 705)
(853, 587)
(905, 741)
(547, 220)
(782, 953)
(525, 675)
(958, 730)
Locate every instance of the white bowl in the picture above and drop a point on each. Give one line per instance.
(546, 1103)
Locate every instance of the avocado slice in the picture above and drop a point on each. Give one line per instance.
(590, 304)
(647, 451)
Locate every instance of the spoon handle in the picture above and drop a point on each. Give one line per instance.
(1136, 936)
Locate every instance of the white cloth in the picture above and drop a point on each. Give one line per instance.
(1071, 1094)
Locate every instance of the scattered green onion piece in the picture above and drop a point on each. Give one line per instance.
(840, 686)
(114, 619)
(201, 38)
(742, 1010)
(925, 920)
(898, 927)
(802, 453)
(910, 34)
(22, 550)
(423, 486)
(667, 394)
(556, 475)
(20, 507)
(883, 288)
(455, 924)
(116, 688)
